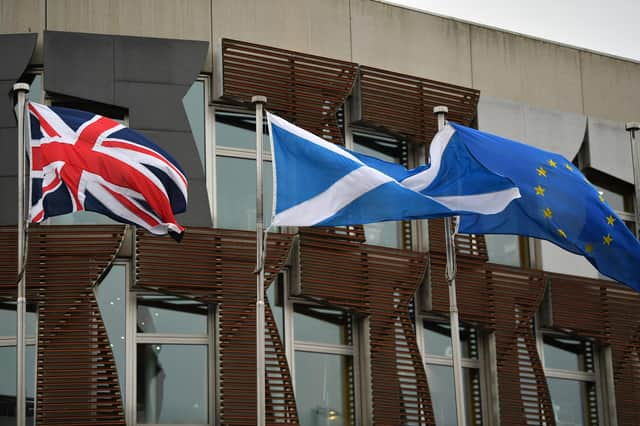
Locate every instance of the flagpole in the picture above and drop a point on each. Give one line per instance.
(441, 113)
(632, 127)
(259, 102)
(21, 89)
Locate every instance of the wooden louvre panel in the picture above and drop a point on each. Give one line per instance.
(379, 282)
(403, 104)
(609, 312)
(77, 381)
(217, 266)
(305, 89)
(504, 300)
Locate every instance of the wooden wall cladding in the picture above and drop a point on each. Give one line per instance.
(77, 381)
(403, 104)
(305, 89)
(216, 266)
(379, 282)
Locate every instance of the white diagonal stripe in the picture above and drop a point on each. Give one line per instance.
(329, 202)
(488, 203)
(422, 180)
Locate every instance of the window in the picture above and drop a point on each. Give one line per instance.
(235, 171)
(389, 149)
(321, 345)
(510, 250)
(438, 357)
(163, 346)
(8, 362)
(570, 368)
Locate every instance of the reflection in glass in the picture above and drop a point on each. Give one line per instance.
(442, 390)
(275, 296)
(171, 315)
(386, 234)
(111, 301)
(194, 106)
(437, 338)
(503, 249)
(574, 402)
(324, 389)
(172, 384)
(320, 325)
(8, 320)
(8, 384)
(238, 130)
(568, 354)
(236, 193)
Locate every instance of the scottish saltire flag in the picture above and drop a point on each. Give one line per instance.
(318, 183)
(83, 161)
(558, 204)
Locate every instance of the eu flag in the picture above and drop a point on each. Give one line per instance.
(558, 204)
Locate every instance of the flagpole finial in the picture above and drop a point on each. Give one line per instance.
(440, 109)
(259, 99)
(21, 87)
(632, 126)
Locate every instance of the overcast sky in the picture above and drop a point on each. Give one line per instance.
(609, 26)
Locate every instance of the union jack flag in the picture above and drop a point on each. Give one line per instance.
(84, 161)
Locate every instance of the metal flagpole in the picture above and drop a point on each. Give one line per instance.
(21, 89)
(632, 127)
(259, 102)
(441, 112)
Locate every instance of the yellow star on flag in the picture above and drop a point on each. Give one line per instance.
(539, 190)
(588, 248)
(568, 167)
(610, 220)
(548, 213)
(553, 163)
(541, 171)
(562, 233)
(601, 196)
(607, 239)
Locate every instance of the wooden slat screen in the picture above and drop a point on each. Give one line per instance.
(403, 104)
(77, 380)
(379, 282)
(608, 312)
(305, 89)
(216, 266)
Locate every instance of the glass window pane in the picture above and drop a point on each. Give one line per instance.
(36, 94)
(313, 324)
(437, 337)
(111, 300)
(568, 354)
(8, 321)
(324, 389)
(236, 192)
(275, 296)
(574, 402)
(237, 130)
(503, 249)
(8, 383)
(171, 315)
(194, 106)
(172, 384)
(443, 397)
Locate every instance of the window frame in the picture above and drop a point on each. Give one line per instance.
(133, 339)
(599, 376)
(361, 409)
(485, 364)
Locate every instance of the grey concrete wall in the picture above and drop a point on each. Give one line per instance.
(24, 16)
(408, 42)
(311, 26)
(533, 72)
